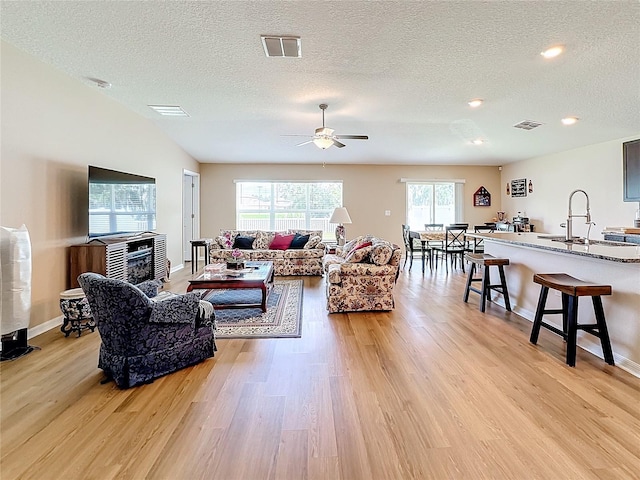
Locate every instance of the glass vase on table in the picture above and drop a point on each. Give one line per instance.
(236, 261)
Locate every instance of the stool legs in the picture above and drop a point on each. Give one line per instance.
(603, 332)
(465, 297)
(572, 330)
(537, 321)
(505, 291)
(486, 286)
(570, 324)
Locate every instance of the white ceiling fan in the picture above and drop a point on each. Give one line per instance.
(324, 136)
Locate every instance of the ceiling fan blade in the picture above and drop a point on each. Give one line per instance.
(338, 144)
(304, 143)
(353, 137)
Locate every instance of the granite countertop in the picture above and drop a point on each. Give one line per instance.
(602, 249)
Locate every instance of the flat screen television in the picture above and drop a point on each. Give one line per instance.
(120, 203)
(631, 170)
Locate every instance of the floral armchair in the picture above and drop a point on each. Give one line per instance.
(145, 336)
(361, 275)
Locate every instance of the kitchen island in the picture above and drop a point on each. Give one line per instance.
(609, 263)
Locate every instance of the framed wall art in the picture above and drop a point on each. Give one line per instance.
(519, 187)
(482, 198)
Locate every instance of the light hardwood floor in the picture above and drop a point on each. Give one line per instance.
(432, 390)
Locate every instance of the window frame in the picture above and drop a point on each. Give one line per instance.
(458, 199)
(276, 224)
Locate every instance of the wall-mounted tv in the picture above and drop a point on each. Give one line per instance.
(120, 203)
(631, 170)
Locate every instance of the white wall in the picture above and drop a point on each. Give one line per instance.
(597, 169)
(368, 191)
(53, 126)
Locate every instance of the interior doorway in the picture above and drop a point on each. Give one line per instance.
(190, 212)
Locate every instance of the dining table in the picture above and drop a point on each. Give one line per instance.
(425, 236)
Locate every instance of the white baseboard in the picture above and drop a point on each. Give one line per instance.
(45, 327)
(177, 268)
(586, 343)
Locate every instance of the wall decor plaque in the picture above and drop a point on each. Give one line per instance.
(482, 198)
(519, 187)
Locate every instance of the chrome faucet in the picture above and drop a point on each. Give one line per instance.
(570, 216)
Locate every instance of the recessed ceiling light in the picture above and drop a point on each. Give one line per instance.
(169, 110)
(477, 141)
(552, 51)
(569, 120)
(476, 102)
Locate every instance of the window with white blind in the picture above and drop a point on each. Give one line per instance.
(287, 205)
(434, 202)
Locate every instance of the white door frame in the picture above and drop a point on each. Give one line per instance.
(190, 211)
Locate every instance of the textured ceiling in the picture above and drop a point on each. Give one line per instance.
(398, 71)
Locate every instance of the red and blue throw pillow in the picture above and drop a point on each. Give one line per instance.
(299, 241)
(281, 242)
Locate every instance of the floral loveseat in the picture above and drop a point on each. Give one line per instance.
(301, 256)
(361, 275)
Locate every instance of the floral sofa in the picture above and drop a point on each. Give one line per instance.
(303, 255)
(361, 275)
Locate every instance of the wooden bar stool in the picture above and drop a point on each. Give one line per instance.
(485, 261)
(571, 289)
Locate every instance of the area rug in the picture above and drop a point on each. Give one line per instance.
(282, 319)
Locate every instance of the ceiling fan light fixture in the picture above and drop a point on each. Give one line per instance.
(569, 120)
(475, 103)
(323, 142)
(552, 52)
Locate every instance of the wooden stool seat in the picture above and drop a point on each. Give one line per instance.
(485, 261)
(571, 289)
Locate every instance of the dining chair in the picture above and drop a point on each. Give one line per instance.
(453, 248)
(410, 246)
(477, 245)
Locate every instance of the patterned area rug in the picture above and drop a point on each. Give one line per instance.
(283, 317)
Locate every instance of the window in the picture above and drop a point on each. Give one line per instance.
(287, 205)
(434, 202)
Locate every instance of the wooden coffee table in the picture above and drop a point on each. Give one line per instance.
(260, 276)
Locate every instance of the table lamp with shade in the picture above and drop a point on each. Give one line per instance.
(340, 216)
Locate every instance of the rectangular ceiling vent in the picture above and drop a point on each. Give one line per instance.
(278, 46)
(527, 125)
(169, 110)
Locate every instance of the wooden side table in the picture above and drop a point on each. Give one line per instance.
(203, 242)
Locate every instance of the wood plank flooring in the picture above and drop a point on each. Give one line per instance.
(432, 390)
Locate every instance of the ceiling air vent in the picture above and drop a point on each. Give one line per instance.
(278, 46)
(527, 125)
(169, 110)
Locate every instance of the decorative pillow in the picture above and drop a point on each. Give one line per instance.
(263, 239)
(281, 242)
(243, 243)
(313, 242)
(359, 254)
(350, 245)
(299, 241)
(224, 242)
(381, 253)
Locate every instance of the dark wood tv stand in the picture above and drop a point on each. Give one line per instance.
(132, 258)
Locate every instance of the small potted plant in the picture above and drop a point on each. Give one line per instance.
(235, 262)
